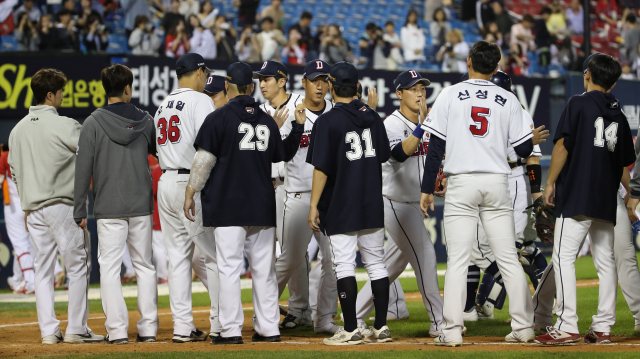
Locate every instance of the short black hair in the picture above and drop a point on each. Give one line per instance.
(546, 10)
(187, 74)
(631, 18)
(45, 81)
(528, 18)
(605, 70)
(267, 19)
(242, 89)
(306, 15)
(371, 26)
(437, 11)
(344, 91)
(484, 57)
(389, 23)
(115, 78)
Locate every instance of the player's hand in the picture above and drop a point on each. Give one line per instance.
(372, 98)
(631, 209)
(536, 195)
(626, 198)
(539, 135)
(444, 189)
(83, 224)
(547, 196)
(301, 114)
(281, 115)
(190, 209)
(314, 219)
(426, 202)
(423, 109)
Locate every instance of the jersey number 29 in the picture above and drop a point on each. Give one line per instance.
(610, 134)
(356, 145)
(169, 131)
(261, 132)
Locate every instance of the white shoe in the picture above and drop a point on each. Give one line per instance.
(342, 337)
(284, 309)
(89, 337)
(637, 328)
(22, 289)
(331, 328)
(485, 311)
(13, 283)
(471, 315)
(381, 335)
(542, 327)
(435, 333)
(524, 336)
(464, 331)
(439, 341)
(54, 338)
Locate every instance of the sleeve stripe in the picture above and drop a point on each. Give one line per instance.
(432, 130)
(522, 139)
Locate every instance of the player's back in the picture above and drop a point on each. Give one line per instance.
(177, 121)
(478, 120)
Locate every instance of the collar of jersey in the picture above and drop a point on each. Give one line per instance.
(480, 82)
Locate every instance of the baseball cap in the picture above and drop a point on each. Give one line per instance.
(585, 64)
(214, 84)
(316, 68)
(239, 73)
(503, 80)
(272, 68)
(189, 62)
(344, 74)
(409, 78)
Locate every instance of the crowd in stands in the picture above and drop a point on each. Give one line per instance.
(536, 36)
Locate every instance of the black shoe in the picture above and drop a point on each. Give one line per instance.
(195, 336)
(140, 339)
(229, 340)
(116, 341)
(290, 322)
(259, 338)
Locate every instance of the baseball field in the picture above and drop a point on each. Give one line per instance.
(20, 336)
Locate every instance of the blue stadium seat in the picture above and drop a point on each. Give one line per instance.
(117, 44)
(9, 43)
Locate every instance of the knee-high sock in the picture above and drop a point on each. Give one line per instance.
(473, 280)
(380, 291)
(348, 292)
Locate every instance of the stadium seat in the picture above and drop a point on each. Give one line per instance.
(9, 43)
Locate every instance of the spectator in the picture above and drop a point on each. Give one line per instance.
(430, 8)
(26, 34)
(87, 11)
(244, 47)
(454, 53)
(275, 12)
(172, 18)
(556, 24)
(46, 32)
(202, 41)
(67, 32)
(543, 36)
(143, 40)
(631, 39)
(502, 19)
(333, 47)
(246, 11)
(96, 37)
(484, 13)
(207, 15)
(294, 52)
(177, 42)
(492, 29)
(391, 37)
(268, 41)
(305, 32)
(413, 41)
(28, 8)
(6, 16)
(439, 29)
(575, 17)
(518, 62)
(189, 7)
(490, 37)
(521, 33)
(73, 10)
(225, 35)
(607, 10)
(626, 72)
(374, 48)
(133, 8)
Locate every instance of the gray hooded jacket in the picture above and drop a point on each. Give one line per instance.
(113, 148)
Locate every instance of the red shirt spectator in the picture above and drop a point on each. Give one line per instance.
(156, 173)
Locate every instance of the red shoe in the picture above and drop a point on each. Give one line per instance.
(597, 337)
(557, 337)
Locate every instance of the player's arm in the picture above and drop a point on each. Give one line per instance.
(85, 150)
(437, 147)
(626, 177)
(201, 168)
(319, 181)
(292, 142)
(410, 144)
(534, 170)
(558, 159)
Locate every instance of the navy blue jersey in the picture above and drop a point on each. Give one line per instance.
(599, 143)
(349, 145)
(245, 140)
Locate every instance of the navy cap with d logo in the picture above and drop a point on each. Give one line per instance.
(239, 73)
(344, 74)
(189, 62)
(585, 64)
(408, 79)
(316, 68)
(271, 69)
(215, 84)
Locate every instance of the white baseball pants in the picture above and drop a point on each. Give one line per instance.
(19, 237)
(160, 259)
(323, 290)
(180, 236)
(52, 228)
(114, 235)
(259, 243)
(371, 245)
(486, 196)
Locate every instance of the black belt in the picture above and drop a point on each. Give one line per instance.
(180, 172)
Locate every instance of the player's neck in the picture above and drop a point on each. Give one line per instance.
(312, 106)
(279, 99)
(410, 115)
(478, 76)
(337, 99)
(593, 87)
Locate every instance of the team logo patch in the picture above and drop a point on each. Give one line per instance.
(343, 295)
(249, 110)
(264, 65)
(414, 75)
(130, 128)
(614, 105)
(363, 108)
(319, 65)
(209, 80)
(34, 119)
(406, 134)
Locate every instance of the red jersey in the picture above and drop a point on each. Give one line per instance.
(5, 169)
(156, 172)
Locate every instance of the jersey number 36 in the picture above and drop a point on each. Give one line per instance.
(169, 131)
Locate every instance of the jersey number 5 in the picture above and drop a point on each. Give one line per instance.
(169, 131)
(356, 145)
(479, 116)
(610, 134)
(261, 132)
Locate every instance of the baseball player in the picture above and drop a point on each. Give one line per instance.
(348, 148)
(593, 132)
(215, 89)
(476, 121)
(232, 167)
(160, 260)
(404, 221)
(177, 121)
(44, 143)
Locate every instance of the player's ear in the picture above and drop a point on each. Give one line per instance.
(399, 94)
(226, 86)
(282, 83)
(469, 64)
(252, 87)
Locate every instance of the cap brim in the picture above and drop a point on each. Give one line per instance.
(313, 75)
(413, 83)
(212, 93)
(257, 74)
(208, 70)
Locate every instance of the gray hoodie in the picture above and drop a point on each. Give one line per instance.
(113, 148)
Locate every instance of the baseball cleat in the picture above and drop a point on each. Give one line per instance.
(439, 341)
(435, 333)
(116, 341)
(290, 322)
(140, 339)
(195, 336)
(484, 312)
(382, 335)
(59, 280)
(541, 328)
(471, 315)
(343, 337)
(230, 340)
(259, 338)
(213, 335)
(523, 336)
(464, 331)
(22, 289)
(129, 278)
(557, 337)
(597, 337)
(331, 328)
(89, 337)
(284, 309)
(54, 338)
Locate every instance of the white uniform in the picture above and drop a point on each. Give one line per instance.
(479, 120)
(178, 121)
(293, 232)
(404, 221)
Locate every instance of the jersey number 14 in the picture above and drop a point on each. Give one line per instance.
(610, 134)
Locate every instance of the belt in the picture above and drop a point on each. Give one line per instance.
(180, 171)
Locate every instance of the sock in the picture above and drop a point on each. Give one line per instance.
(540, 264)
(473, 280)
(380, 290)
(493, 271)
(347, 292)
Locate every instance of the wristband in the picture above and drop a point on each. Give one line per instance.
(418, 132)
(535, 177)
